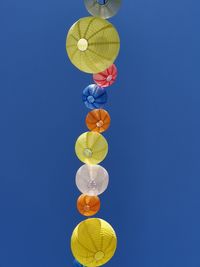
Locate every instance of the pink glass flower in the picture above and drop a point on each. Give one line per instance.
(106, 77)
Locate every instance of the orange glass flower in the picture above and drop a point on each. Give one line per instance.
(88, 205)
(98, 120)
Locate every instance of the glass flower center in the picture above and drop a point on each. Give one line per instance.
(99, 124)
(90, 99)
(92, 184)
(87, 152)
(99, 255)
(102, 2)
(86, 208)
(82, 44)
(109, 78)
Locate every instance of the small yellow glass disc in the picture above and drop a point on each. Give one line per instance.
(91, 148)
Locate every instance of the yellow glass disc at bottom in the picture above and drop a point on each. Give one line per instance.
(93, 242)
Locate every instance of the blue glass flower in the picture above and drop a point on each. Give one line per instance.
(94, 96)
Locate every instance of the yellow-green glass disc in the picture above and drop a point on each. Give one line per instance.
(92, 44)
(91, 148)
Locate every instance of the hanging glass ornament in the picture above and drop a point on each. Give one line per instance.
(98, 120)
(88, 205)
(92, 180)
(103, 8)
(93, 242)
(91, 147)
(107, 77)
(94, 96)
(92, 44)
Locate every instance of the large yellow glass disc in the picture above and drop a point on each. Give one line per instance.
(93, 242)
(92, 44)
(91, 147)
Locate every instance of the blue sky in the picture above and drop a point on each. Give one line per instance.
(153, 199)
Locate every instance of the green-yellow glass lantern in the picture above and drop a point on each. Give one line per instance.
(92, 44)
(91, 148)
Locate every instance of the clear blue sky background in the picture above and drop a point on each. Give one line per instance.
(153, 200)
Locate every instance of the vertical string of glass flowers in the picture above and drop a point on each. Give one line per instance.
(93, 45)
